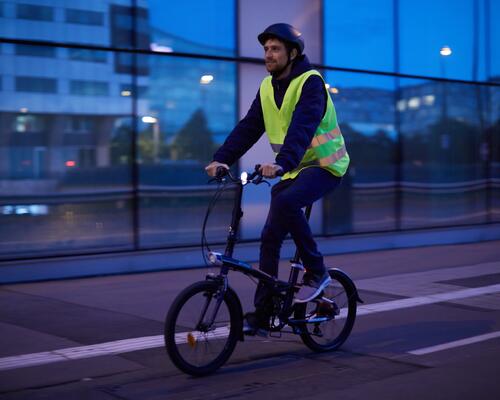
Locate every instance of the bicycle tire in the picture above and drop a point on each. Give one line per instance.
(185, 344)
(344, 295)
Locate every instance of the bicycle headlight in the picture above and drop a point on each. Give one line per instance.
(215, 258)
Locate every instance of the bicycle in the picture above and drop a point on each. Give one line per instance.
(205, 321)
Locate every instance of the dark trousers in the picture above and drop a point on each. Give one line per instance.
(285, 216)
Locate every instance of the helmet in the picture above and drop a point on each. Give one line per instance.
(284, 32)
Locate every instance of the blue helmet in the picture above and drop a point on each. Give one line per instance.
(285, 32)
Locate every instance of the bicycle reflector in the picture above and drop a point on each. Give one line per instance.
(191, 340)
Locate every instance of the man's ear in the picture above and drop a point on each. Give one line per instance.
(293, 54)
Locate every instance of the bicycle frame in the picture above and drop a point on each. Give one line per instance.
(226, 262)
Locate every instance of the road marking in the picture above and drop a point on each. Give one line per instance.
(456, 343)
(100, 349)
(429, 299)
(149, 342)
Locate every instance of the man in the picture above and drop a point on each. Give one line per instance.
(295, 109)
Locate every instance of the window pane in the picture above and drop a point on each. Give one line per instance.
(88, 88)
(37, 51)
(366, 199)
(359, 34)
(87, 55)
(443, 180)
(34, 12)
(428, 25)
(494, 138)
(182, 124)
(65, 164)
(32, 84)
(211, 27)
(493, 38)
(84, 17)
(88, 23)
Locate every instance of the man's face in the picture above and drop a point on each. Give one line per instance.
(275, 55)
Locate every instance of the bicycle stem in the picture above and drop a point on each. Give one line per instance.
(235, 221)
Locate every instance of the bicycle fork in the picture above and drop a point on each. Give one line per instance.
(219, 298)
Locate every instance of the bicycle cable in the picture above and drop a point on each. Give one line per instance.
(211, 206)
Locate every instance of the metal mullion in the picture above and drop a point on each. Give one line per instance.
(398, 175)
(134, 139)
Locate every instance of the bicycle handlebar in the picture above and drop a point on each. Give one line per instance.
(255, 177)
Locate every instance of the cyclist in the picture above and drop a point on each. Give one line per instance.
(295, 110)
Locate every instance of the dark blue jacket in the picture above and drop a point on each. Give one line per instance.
(306, 118)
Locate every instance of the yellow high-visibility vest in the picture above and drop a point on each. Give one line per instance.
(327, 149)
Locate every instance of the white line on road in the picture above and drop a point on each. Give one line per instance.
(148, 342)
(101, 349)
(429, 299)
(456, 343)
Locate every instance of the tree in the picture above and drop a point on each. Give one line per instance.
(194, 140)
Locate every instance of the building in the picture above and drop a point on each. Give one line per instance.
(109, 110)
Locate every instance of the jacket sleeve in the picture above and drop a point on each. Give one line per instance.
(306, 118)
(244, 135)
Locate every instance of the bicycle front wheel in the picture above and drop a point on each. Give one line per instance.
(200, 334)
(332, 317)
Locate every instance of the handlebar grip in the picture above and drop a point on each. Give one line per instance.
(220, 172)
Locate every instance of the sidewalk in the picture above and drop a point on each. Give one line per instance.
(54, 315)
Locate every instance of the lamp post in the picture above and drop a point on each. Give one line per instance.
(156, 135)
(444, 52)
(205, 80)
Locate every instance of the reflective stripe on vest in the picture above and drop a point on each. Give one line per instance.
(316, 141)
(325, 161)
(325, 137)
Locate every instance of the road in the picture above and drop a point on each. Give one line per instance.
(429, 328)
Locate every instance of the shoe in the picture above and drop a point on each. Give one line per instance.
(312, 287)
(254, 324)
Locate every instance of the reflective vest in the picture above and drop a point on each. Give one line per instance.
(327, 148)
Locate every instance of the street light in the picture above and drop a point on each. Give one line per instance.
(445, 52)
(147, 119)
(206, 79)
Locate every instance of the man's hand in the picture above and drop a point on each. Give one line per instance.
(212, 167)
(270, 170)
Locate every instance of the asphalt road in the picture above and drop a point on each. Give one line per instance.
(429, 328)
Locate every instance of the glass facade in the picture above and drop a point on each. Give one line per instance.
(110, 109)
(103, 150)
(424, 151)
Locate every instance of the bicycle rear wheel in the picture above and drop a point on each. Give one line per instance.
(195, 344)
(335, 315)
